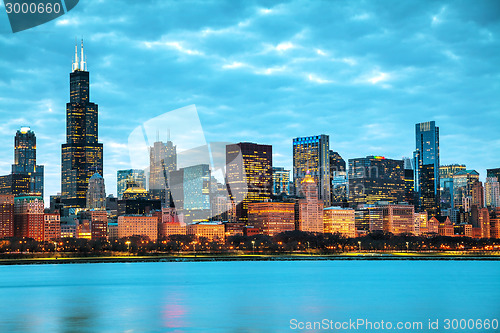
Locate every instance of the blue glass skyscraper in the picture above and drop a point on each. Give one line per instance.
(426, 162)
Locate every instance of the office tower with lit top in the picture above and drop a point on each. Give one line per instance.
(82, 154)
(25, 160)
(251, 181)
(312, 154)
(426, 163)
(129, 178)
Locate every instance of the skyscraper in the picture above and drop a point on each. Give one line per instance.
(25, 160)
(375, 178)
(82, 153)
(6, 215)
(162, 160)
(492, 192)
(493, 173)
(130, 177)
(446, 173)
(96, 193)
(463, 183)
(281, 181)
(252, 181)
(426, 157)
(312, 154)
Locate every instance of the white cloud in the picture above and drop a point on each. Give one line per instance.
(176, 45)
(317, 79)
(320, 52)
(233, 65)
(284, 46)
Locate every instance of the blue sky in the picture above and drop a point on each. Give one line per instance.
(363, 72)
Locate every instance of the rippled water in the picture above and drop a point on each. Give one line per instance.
(245, 296)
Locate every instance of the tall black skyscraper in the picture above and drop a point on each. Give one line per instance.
(426, 162)
(25, 160)
(81, 154)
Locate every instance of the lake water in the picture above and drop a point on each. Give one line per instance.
(246, 296)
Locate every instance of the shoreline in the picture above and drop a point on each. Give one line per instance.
(247, 257)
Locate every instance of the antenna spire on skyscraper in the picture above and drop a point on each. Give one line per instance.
(74, 66)
(83, 63)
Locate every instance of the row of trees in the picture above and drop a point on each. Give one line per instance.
(286, 242)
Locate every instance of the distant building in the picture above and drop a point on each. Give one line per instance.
(444, 225)
(337, 163)
(252, 179)
(420, 223)
(6, 215)
(312, 154)
(281, 181)
(339, 187)
(272, 218)
(399, 219)
(480, 220)
(375, 178)
(492, 192)
(493, 173)
(52, 227)
(15, 184)
(309, 210)
(369, 219)
(96, 193)
(124, 177)
(426, 163)
(162, 161)
(446, 173)
(190, 188)
(495, 223)
(98, 220)
(339, 220)
(138, 225)
(463, 182)
(25, 160)
(213, 231)
(29, 217)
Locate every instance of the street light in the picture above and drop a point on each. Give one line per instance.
(128, 245)
(407, 246)
(253, 247)
(359, 243)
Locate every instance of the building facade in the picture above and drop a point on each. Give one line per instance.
(375, 178)
(339, 220)
(138, 225)
(29, 217)
(272, 218)
(6, 215)
(309, 209)
(281, 181)
(96, 193)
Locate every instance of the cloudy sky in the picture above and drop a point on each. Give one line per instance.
(363, 72)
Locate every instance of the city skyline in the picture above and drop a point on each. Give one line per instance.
(368, 103)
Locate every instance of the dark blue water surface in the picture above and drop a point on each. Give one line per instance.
(246, 296)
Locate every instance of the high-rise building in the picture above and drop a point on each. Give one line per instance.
(15, 184)
(281, 181)
(339, 220)
(25, 160)
(492, 192)
(130, 177)
(29, 217)
(252, 181)
(426, 157)
(96, 193)
(339, 188)
(6, 215)
(190, 188)
(463, 182)
(337, 163)
(446, 173)
(369, 218)
(82, 153)
(309, 209)
(493, 173)
(375, 178)
(162, 161)
(312, 154)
